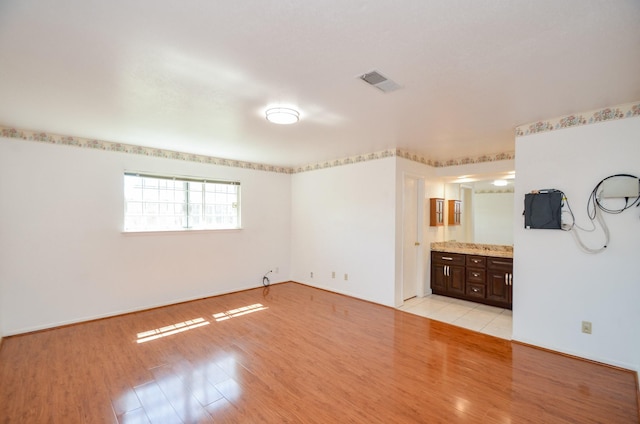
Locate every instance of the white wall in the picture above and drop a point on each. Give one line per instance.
(556, 285)
(64, 259)
(343, 221)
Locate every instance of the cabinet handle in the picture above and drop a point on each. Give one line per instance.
(506, 279)
(475, 274)
(446, 270)
(446, 258)
(501, 263)
(475, 261)
(475, 289)
(511, 279)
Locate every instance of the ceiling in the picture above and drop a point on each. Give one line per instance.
(196, 76)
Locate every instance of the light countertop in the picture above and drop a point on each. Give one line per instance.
(496, 250)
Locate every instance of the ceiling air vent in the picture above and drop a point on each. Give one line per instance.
(379, 81)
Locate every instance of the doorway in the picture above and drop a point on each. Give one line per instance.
(411, 237)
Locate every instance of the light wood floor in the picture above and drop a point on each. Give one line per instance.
(295, 354)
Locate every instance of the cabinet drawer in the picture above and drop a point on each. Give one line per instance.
(476, 261)
(476, 290)
(499, 263)
(476, 275)
(448, 258)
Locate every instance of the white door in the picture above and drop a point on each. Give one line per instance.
(411, 243)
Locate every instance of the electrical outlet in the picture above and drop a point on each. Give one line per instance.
(346, 277)
(586, 327)
(333, 274)
(311, 274)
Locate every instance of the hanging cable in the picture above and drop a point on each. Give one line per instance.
(584, 247)
(595, 208)
(265, 279)
(594, 200)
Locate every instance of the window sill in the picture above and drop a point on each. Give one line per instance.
(188, 231)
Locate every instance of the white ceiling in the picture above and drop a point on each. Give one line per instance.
(195, 76)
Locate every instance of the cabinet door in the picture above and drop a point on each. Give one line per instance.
(437, 212)
(455, 212)
(438, 284)
(498, 288)
(455, 280)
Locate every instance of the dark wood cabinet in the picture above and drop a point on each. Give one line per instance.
(476, 277)
(456, 279)
(483, 279)
(500, 280)
(447, 273)
(436, 213)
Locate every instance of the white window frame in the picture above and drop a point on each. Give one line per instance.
(161, 203)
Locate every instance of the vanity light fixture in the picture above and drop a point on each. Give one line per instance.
(500, 183)
(463, 180)
(282, 115)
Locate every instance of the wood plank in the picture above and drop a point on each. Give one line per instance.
(306, 356)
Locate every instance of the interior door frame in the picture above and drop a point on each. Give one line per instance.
(419, 250)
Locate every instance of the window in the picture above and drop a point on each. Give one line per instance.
(159, 203)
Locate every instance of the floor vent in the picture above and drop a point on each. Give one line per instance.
(379, 81)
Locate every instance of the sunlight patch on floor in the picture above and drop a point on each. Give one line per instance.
(222, 316)
(179, 327)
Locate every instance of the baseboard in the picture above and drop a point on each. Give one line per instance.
(581, 358)
(342, 293)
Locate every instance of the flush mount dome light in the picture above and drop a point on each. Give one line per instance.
(282, 115)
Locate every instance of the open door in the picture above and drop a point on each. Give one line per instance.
(411, 248)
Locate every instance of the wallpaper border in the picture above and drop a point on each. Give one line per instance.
(415, 157)
(109, 146)
(627, 110)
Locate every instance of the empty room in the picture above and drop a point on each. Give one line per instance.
(319, 212)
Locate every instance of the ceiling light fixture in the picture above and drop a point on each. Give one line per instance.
(282, 115)
(500, 183)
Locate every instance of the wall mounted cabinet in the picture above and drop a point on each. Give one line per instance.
(436, 208)
(455, 212)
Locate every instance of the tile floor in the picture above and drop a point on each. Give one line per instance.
(474, 316)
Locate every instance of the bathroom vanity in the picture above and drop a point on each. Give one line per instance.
(476, 272)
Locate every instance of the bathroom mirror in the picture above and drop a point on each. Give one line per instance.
(487, 212)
